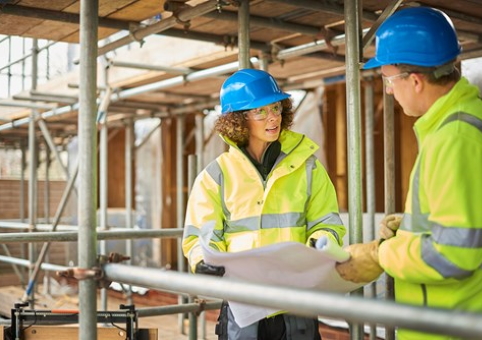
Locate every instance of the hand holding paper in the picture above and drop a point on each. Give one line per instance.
(332, 248)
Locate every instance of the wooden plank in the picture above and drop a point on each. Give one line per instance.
(140, 10)
(68, 333)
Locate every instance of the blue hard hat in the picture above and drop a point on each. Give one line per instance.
(249, 89)
(420, 36)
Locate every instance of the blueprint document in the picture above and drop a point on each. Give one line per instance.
(289, 264)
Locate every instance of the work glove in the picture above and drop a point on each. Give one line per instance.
(363, 264)
(389, 226)
(207, 269)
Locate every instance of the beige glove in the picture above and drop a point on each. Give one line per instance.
(363, 264)
(389, 226)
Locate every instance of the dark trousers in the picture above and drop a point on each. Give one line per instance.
(279, 327)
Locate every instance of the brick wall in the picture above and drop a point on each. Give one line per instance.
(10, 198)
(10, 203)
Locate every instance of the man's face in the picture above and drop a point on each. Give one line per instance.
(401, 85)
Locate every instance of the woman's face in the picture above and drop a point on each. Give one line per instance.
(264, 123)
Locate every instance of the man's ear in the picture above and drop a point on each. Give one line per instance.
(418, 81)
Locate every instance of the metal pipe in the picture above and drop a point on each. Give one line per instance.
(306, 302)
(37, 50)
(22, 181)
(103, 174)
(129, 158)
(172, 70)
(195, 307)
(199, 134)
(389, 10)
(14, 266)
(353, 111)
(179, 80)
(44, 99)
(32, 183)
(267, 22)
(40, 226)
(389, 182)
(315, 46)
(27, 105)
(370, 289)
(180, 136)
(53, 148)
(325, 6)
(87, 155)
(46, 279)
(243, 34)
(70, 236)
(26, 263)
(148, 135)
(54, 112)
(182, 16)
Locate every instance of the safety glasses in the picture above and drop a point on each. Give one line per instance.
(262, 113)
(388, 80)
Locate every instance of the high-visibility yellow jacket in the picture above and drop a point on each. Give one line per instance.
(241, 211)
(436, 256)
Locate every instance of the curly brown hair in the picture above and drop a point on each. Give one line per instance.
(233, 125)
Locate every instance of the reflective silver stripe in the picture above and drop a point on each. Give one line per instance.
(418, 221)
(331, 219)
(214, 170)
(266, 221)
(310, 166)
(456, 236)
(438, 262)
(190, 230)
(464, 117)
(415, 223)
(210, 234)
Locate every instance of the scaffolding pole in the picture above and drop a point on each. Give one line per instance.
(71, 236)
(103, 172)
(32, 183)
(389, 181)
(87, 156)
(243, 34)
(180, 137)
(370, 289)
(353, 111)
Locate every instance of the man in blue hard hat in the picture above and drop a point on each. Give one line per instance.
(268, 188)
(435, 257)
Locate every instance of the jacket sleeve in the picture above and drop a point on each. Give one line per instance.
(322, 209)
(447, 243)
(204, 217)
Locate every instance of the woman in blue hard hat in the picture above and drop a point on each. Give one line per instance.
(435, 256)
(267, 188)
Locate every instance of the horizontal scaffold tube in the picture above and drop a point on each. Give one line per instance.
(28, 264)
(67, 236)
(177, 309)
(306, 302)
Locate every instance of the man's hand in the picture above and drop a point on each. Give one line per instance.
(207, 269)
(363, 264)
(389, 226)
